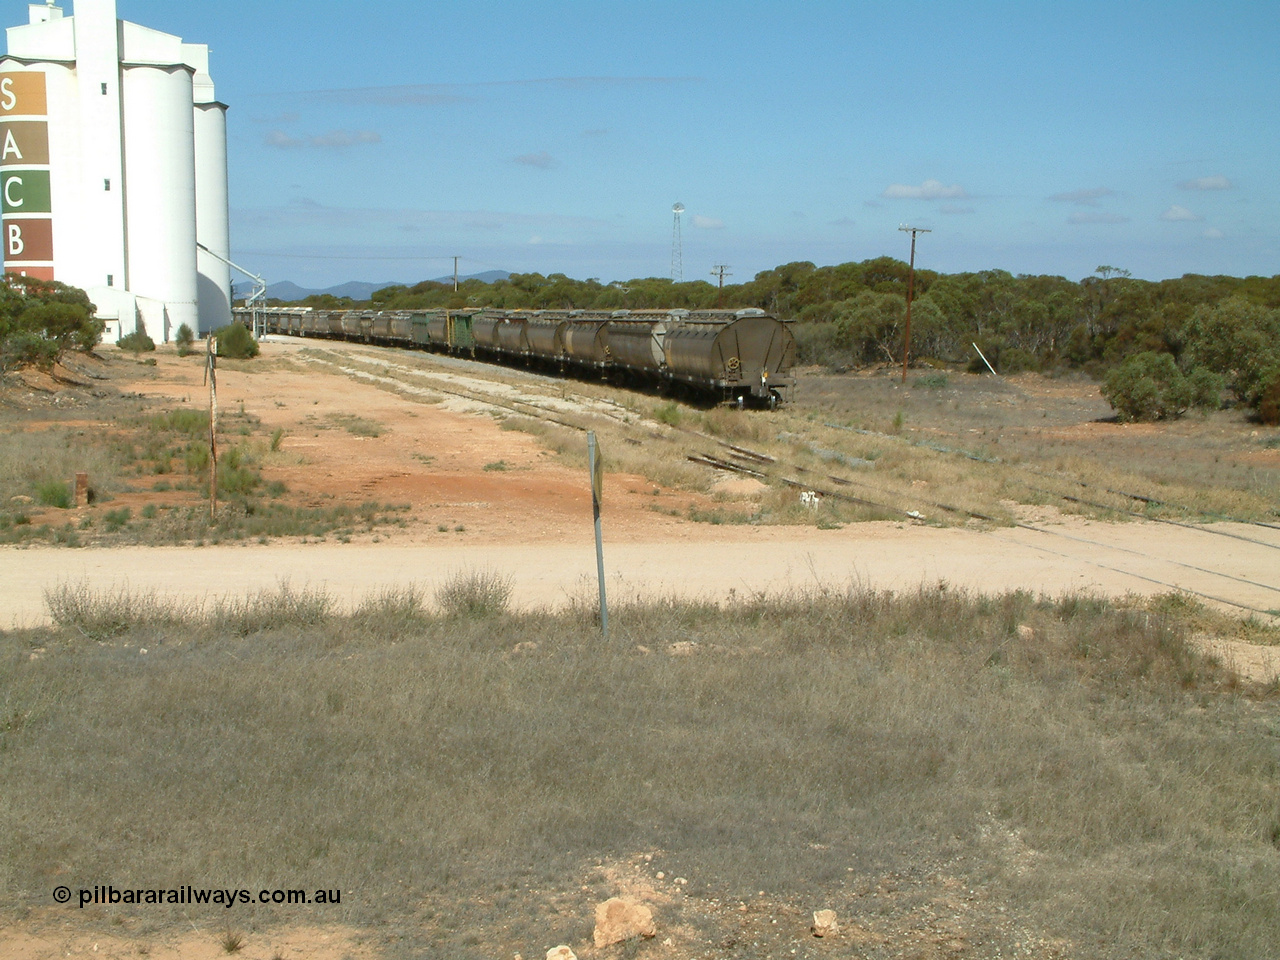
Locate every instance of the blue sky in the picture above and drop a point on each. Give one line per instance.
(374, 141)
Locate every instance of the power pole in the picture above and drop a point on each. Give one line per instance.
(911, 283)
(455, 274)
(721, 270)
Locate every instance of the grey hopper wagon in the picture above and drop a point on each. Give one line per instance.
(750, 353)
(743, 356)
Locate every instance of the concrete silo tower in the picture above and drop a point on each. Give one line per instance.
(114, 168)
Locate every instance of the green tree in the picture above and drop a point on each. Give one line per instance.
(1240, 340)
(40, 319)
(1149, 386)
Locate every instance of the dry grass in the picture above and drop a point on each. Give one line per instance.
(1098, 779)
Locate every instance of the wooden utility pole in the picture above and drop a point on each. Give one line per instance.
(721, 270)
(211, 376)
(911, 283)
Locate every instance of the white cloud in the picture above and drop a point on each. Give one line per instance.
(440, 94)
(707, 223)
(341, 138)
(542, 160)
(929, 190)
(1218, 182)
(333, 140)
(1096, 218)
(1177, 213)
(1213, 233)
(1084, 198)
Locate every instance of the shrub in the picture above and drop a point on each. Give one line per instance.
(1149, 386)
(118, 519)
(1269, 404)
(669, 413)
(476, 593)
(27, 349)
(137, 342)
(185, 338)
(236, 474)
(236, 342)
(54, 493)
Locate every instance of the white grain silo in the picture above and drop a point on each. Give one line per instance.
(118, 167)
(213, 253)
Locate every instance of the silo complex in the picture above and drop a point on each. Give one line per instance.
(114, 168)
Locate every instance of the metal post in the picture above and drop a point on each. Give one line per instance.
(911, 283)
(455, 274)
(596, 465)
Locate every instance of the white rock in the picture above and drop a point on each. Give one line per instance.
(824, 923)
(618, 920)
(561, 953)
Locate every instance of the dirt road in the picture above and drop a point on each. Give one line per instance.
(1077, 555)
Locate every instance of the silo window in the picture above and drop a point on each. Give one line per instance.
(106, 184)
(111, 279)
(104, 89)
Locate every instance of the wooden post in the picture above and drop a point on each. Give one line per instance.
(596, 464)
(211, 375)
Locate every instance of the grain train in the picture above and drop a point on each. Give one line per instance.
(740, 356)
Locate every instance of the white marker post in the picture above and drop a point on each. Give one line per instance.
(596, 465)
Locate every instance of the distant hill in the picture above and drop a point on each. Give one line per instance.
(288, 291)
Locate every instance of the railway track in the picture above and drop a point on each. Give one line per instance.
(766, 467)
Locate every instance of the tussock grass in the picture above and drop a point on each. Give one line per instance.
(357, 426)
(474, 593)
(265, 610)
(101, 615)
(1073, 759)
